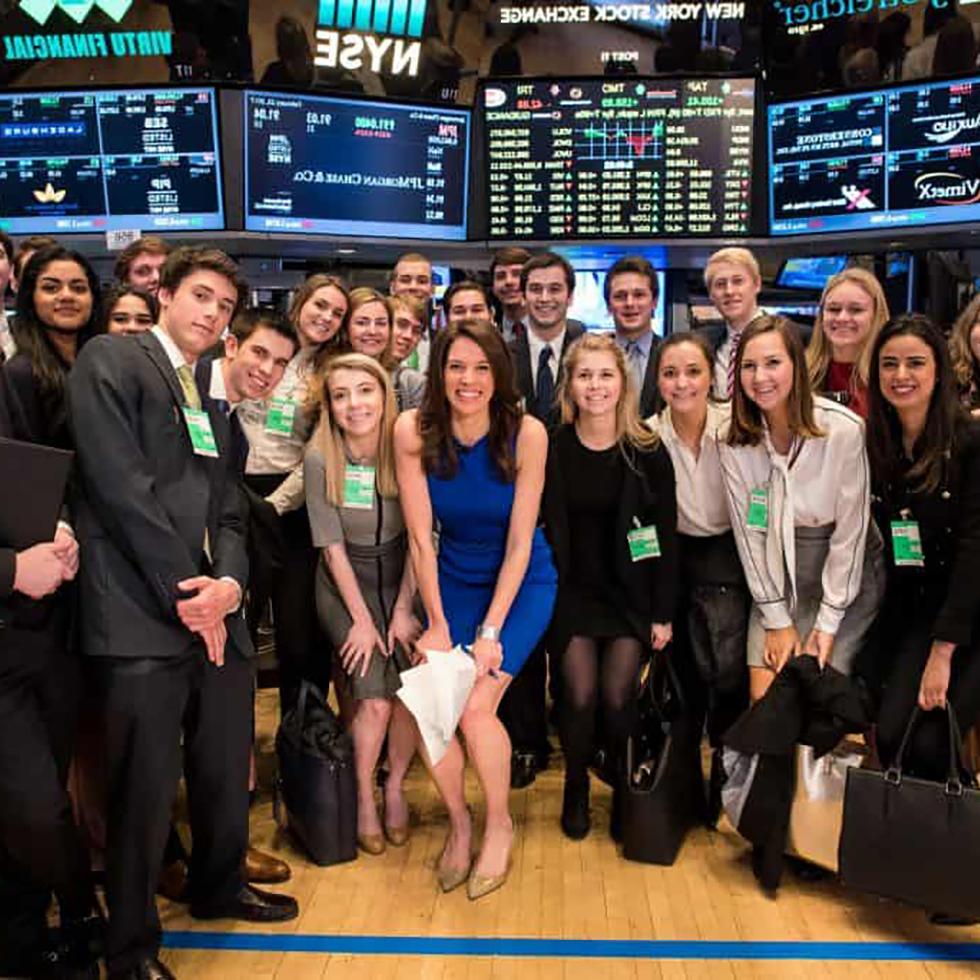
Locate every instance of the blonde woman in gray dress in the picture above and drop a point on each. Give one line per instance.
(364, 585)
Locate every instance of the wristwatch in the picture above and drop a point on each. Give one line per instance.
(487, 632)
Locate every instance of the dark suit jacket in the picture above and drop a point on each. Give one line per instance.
(650, 393)
(520, 353)
(646, 591)
(33, 421)
(714, 333)
(146, 500)
(7, 555)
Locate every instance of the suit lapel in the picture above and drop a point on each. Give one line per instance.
(154, 350)
(522, 366)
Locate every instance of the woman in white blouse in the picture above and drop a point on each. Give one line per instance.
(796, 476)
(711, 625)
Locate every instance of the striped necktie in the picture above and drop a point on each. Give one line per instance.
(733, 356)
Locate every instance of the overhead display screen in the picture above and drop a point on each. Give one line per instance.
(618, 158)
(143, 159)
(344, 167)
(903, 157)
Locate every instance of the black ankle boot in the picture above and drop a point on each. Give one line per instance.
(575, 823)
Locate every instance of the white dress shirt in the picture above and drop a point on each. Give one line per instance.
(7, 344)
(536, 344)
(722, 358)
(271, 453)
(821, 481)
(701, 507)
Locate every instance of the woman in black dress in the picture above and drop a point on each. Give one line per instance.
(611, 513)
(925, 466)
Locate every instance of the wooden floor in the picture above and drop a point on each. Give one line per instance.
(558, 889)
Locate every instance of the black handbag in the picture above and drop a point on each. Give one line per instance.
(663, 795)
(316, 779)
(912, 839)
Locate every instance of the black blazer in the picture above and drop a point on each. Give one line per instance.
(650, 393)
(946, 591)
(32, 421)
(146, 500)
(520, 353)
(648, 588)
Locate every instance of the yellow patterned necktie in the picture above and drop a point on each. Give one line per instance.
(185, 375)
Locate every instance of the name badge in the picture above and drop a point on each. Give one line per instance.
(199, 429)
(758, 515)
(907, 544)
(644, 543)
(279, 420)
(359, 487)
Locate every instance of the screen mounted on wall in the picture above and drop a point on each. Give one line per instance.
(617, 157)
(904, 157)
(355, 168)
(98, 161)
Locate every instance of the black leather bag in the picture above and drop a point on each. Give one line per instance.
(663, 795)
(914, 839)
(316, 779)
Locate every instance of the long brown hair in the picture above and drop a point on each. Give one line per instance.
(630, 430)
(303, 295)
(965, 367)
(747, 424)
(361, 296)
(819, 353)
(439, 453)
(329, 438)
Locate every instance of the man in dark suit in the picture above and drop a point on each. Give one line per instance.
(631, 292)
(40, 851)
(547, 282)
(160, 522)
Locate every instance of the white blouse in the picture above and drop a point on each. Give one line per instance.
(702, 510)
(821, 481)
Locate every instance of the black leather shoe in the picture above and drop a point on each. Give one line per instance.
(251, 905)
(149, 968)
(523, 770)
(575, 823)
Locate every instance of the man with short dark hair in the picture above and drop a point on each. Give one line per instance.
(159, 516)
(140, 262)
(467, 300)
(505, 282)
(631, 292)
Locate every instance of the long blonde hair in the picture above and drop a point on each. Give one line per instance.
(965, 367)
(329, 438)
(630, 429)
(818, 352)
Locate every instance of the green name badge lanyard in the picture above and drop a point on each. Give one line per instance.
(359, 487)
(758, 516)
(199, 429)
(643, 542)
(279, 421)
(907, 544)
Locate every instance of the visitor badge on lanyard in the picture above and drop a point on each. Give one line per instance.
(758, 515)
(907, 542)
(359, 487)
(279, 420)
(199, 429)
(643, 541)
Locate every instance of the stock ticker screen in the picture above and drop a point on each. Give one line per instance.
(342, 167)
(91, 161)
(908, 156)
(614, 157)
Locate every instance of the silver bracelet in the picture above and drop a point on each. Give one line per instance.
(487, 632)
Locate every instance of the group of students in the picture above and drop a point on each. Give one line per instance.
(510, 484)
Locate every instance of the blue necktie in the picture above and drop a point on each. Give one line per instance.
(544, 390)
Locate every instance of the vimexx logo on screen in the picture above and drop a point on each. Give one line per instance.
(382, 35)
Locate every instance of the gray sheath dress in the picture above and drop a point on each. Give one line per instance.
(377, 547)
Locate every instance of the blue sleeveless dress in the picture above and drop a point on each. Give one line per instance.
(473, 513)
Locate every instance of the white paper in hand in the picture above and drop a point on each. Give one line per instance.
(436, 693)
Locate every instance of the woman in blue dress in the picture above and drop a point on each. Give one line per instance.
(471, 466)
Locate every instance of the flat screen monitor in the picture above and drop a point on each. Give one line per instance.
(618, 157)
(93, 161)
(810, 272)
(906, 157)
(335, 166)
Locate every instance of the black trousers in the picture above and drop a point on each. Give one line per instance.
(711, 631)
(522, 708)
(289, 579)
(148, 704)
(40, 850)
(927, 755)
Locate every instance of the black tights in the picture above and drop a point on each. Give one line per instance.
(589, 667)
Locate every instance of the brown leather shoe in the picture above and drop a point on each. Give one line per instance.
(264, 869)
(172, 883)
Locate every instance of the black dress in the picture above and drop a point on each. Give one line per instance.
(590, 606)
